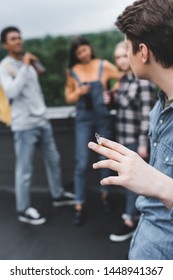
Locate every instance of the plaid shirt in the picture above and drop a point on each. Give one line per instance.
(134, 101)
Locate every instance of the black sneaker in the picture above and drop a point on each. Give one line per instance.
(31, 216)
(122, 233)
(66, 199)
(78, 217)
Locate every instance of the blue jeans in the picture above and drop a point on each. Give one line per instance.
(130, 210)
(25, 141)
(84, 130)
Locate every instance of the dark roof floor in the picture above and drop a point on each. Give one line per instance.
(59, 239)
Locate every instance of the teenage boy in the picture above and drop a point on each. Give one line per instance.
(148, 29)
(30, 127)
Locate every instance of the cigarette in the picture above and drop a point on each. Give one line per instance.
(97, 136)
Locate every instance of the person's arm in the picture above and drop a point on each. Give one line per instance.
(111, 71)
(133, 172)
(72, 89)
(13, 84)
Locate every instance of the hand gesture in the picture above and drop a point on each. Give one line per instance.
(28, 58)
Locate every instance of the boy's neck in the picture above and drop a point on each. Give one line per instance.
(17, 56)
(163, 78)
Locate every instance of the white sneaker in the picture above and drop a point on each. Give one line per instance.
(31, 216)
(122, 233)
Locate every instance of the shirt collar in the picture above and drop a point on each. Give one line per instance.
(162, 96)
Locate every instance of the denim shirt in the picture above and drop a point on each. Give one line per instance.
(153, 238)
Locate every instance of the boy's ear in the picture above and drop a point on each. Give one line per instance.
(5, 47)
(144, 51)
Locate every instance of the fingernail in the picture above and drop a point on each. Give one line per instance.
(90, 144)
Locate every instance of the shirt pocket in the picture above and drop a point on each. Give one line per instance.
(162, 159)
(166, 154)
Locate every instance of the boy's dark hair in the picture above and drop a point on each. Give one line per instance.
(150, 22)
(6, 30)
(77, 42)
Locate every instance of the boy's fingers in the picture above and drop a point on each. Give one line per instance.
(107, 163)
(114, 146)
(112, 180)
(107, 152)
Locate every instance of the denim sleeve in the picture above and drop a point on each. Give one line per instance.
(171, 214)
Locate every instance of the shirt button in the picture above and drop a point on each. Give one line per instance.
(161, 121)
(167, 159)
(155, 144)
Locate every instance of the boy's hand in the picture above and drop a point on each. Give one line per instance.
(28, 58)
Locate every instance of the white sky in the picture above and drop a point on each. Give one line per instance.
(37, 18)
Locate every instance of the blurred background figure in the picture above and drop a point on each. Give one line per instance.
(30, 126)
(133, 100)
(87, 78)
